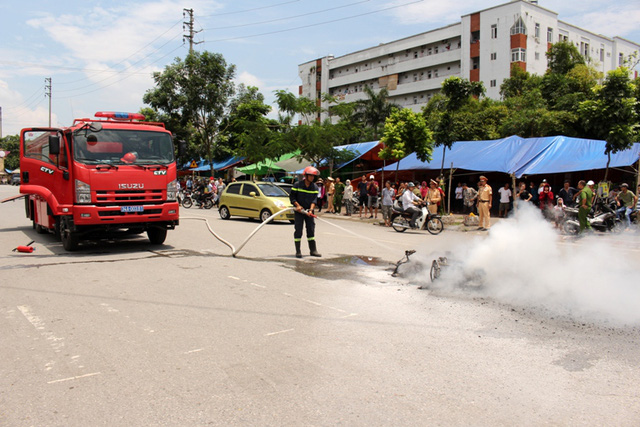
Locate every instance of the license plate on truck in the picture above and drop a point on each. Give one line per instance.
(131, 208)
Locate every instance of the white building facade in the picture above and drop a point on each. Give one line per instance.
(483, 46)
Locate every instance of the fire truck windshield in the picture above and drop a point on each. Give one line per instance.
(119, 147)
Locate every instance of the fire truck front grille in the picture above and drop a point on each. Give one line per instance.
(123, 196)
(114, 213)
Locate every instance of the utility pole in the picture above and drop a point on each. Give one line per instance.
(47, 92)
(189, 25)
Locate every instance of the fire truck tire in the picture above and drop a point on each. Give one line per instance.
(69, 238)
(157, 235)
(40, 229)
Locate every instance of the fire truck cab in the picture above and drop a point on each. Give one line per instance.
(100, 178)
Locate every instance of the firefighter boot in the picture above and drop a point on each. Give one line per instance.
(298, 252)
(313, 249)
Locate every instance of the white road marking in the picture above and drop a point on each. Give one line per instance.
(259, 286)
(311, 302)
(39, 324)
(233, 277)
(279, 332)
(193, 351)
(74, 378)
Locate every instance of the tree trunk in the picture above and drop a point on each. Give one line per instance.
(444, 147)
(606, 171)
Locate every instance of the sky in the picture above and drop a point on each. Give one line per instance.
(100, 55)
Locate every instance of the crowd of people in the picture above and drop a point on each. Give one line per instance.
(367, 198)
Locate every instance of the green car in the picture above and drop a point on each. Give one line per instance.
(254, 200)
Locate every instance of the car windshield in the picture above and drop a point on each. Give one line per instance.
(271, 190)
(118, 147)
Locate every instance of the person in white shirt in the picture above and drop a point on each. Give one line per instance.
(409, 202)
(459, 198)
(505, 199)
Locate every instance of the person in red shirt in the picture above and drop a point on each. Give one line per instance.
(546, 201)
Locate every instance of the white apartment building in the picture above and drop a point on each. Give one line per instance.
(481, 47)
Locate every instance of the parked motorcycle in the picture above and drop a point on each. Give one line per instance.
(602, 218)
(206, 200)
(400, 220)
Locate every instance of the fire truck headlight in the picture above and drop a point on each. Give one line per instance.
(172, 191)
(83, 192)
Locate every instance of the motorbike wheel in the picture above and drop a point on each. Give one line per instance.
(400, 224)
(570, 229)
(435, 270)
(187, 202)
(435, 226)
(208, 204)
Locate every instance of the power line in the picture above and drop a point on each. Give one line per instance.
(25, 102)
(250, 10)
(60, 67)
(125, 59)
(316, 24)
(118, 81)
(288, 17)
(122, 71)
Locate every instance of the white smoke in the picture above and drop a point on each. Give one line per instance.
(525, 262)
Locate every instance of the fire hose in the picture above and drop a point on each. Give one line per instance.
(235, 251)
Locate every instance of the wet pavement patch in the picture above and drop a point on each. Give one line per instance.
(344, 267)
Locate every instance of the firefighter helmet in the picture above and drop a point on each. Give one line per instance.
(310, 170)
(130, 157)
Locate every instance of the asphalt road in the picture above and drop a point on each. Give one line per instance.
(129, 334)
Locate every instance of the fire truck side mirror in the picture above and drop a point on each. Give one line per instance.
(54, 144)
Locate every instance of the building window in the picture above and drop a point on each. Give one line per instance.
(435, 49)
(585, 50)
(429, 51)
(415, 54)
(494, 31)
(601, 54)
(435, 72)
(549, 35)
(519, 55)
(537, 55)
(536, 33)
(519, 27)
(428, 74)
(494, 56)
(492, 83)
(620, 60)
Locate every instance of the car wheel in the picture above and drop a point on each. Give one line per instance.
(264, 215)
(224, 212)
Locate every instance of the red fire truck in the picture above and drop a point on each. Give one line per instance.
(100, 178)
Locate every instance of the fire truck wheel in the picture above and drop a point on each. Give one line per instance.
(69, 238)
(157, 235)
(40, 229)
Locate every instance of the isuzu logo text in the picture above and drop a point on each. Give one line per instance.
(130, 186)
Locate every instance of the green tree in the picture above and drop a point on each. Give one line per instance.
(457, 93)
(406, 132)
(11, 144)
(195, 92)
(562, 57)
(612, 114)
(374, 110)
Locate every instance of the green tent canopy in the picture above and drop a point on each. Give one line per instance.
(284, 163)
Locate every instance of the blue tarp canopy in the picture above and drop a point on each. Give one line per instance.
(359, 150)
(204, 165)
(574, 154)
(523, 156)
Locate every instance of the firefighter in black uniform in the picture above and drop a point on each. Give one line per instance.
(304, 196)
